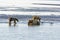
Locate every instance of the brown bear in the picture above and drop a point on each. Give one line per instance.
(34, 21)
(13, 19)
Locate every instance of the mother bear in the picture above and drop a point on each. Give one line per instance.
(34, 21)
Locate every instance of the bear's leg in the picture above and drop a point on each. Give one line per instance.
(38, 23)
(9, 23)
(14, 23)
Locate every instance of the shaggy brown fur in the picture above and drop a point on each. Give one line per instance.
(34, 21)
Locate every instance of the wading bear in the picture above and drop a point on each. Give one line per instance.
(34, 21)
(13, 19)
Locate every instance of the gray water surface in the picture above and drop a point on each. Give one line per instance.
(22, 31)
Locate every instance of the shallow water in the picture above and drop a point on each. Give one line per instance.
(22, 31)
